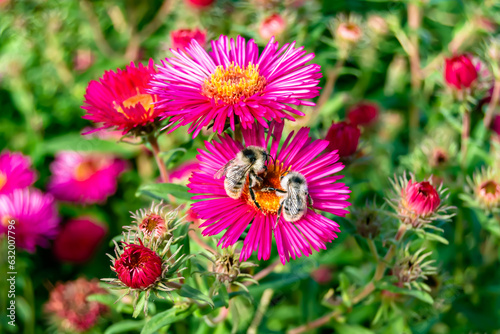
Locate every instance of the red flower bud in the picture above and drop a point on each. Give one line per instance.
(459, 72)
(182, 38)
(274, 25)
(78, 240)
(495, 125)
(343, 137)
(200, 3)
(363, 114)
(421, 198)
(138, 267)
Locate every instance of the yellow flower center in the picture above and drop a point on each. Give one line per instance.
(146, 100)
(233, 83)
(3, 180)
(85, 170)
(268, 201)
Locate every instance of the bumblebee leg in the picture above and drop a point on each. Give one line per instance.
(280, 209)
(269, 189)
(252, 195)
(309, 198)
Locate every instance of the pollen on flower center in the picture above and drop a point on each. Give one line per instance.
(152, 223)
(3, 180)
(490, 188)
(233, 83)
(146, 100)
(268, 201)
(85, 170)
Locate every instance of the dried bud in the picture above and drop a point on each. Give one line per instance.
(363, 113)
(343, 137)
(439, 157)
(460, 73)
(411, 268)
(69, 309)
(182, 38)
(367, 220)
(78, 240)
(273, 25)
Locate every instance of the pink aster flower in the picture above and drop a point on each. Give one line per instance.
(84, 178)
(298, 153)
(15, 172)
(119, 100)
(234, 83)
(34, 215)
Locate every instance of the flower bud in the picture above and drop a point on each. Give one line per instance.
(411, 268)
(349, 32)
(200, 4)
(460, 73)
(421, 198)
(83, 60)
(363, 113)
(485, 189)
(343, 137)
(322, 275)
(138, 267)
(182, 38)
(78, 240)
(155, 222)
(273, 25)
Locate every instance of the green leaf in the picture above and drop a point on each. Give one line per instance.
(163, 190)
(125, 326)
(139, 307)
(166, 318)
(351, 329)
(106, 299)
(422, 295)
(172, 155)
(190, 292)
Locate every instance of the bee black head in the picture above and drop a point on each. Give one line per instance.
(249, 154)
(297, 180)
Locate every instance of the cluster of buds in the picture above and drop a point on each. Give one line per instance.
(69, 309)
(227, 268)
(419, 203)
(484, 190)
(411, 269)
(144, 262)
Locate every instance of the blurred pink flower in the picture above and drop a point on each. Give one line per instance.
(182, 173)
(84, 178)
(120, 100)
(69, 309)
(363, 113)
(233, 83)
(15, 172)
(35, 217)
(299, 154)
(273, 25)
(78, 240)
(182, 38)
(344, 138)
(460, 72)
(83, 60)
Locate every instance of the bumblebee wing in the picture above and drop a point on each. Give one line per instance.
(223, 171)
(236, 176)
